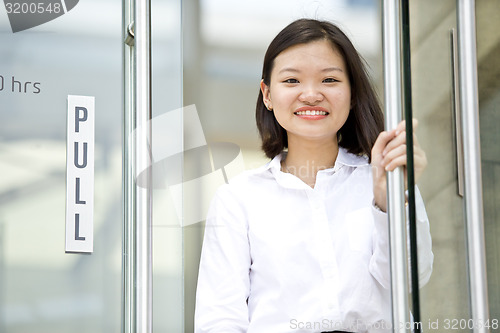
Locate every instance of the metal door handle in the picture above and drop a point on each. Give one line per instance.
(457, 114)
(129, 39)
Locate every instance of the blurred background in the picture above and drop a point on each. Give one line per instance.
(206, 53)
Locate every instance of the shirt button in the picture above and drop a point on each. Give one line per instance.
(331, 305)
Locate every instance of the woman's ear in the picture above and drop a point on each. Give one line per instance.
(266, 95)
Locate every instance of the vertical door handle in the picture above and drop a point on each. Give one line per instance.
(457, 115)
(395, 179)
(473, 194)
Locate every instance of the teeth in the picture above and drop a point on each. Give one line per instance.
(311, 113)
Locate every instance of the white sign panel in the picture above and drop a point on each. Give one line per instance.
(80, 175)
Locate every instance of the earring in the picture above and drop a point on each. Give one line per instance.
(269, 108)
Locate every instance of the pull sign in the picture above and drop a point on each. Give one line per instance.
(80, 175)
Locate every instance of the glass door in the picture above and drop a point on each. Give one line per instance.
(51, 50)
(447, 300)
(488, 48)
(446, 295)
(168, 147)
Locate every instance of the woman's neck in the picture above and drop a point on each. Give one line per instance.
(305, 158)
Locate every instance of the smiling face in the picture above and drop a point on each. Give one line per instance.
(309, 92)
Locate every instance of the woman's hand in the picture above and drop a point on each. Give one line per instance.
(388, 153)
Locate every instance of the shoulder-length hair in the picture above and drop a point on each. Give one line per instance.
(365, 120)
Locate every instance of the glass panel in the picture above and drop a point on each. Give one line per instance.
(446, 296)
(488, 49)
(222, 71)
(167, 127)
(43, 289)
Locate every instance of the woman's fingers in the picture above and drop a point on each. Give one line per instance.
(402, 126)
(415, 140)
(396, 162)
(400, 132)
(380, 144)
(397, 146)
(399, 140)
(389, 153)
(393, 159)
(390, 147)
(420, 162)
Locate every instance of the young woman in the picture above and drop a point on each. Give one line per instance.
(301, 244)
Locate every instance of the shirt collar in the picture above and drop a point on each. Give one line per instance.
(349, 159)
(344, 158)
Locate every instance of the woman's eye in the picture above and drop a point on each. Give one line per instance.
(330, 80)
(291, 81)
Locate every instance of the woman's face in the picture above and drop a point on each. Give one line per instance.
(310, 92)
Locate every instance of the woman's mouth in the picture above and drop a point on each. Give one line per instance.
(311, 113)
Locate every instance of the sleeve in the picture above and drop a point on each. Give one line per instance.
(223, 281)
(380, 264)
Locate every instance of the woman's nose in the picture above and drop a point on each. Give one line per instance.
(311, 95)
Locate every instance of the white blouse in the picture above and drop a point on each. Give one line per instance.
(280, 256)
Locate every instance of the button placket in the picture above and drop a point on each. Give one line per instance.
(325, 249)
